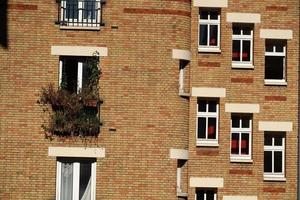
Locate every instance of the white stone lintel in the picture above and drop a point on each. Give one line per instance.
(243, 17)
(275, 126)
(79, 51)
(207, 182)
(181, 54)
(276, 34)
(241, 108)
(211, 3)
(208, 92)
(180, 154)
(76, 152)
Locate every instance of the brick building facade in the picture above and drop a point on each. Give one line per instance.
(200, 99)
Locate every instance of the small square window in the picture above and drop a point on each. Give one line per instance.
(206, 194)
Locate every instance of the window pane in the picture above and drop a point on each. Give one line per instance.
(214, 14)
(200, 194)
(268, 139)
(203, 35)
(203, 14)
(269, 47)
(212, 106)
(66, 181)
(246, 31)
(235, 120)
(85, 181)
(210, 195)
(274, 67)
(279, 47)
(236, 30)
(213, 35)
(69, 74)
(89, 10)
(277, 161)
(245, 122)
(72, 9)
(236, 50)
(245, 144)
(246, 50)
(201, 105)
(278, 140)
(201, 127)
(211, 130)
(267, 161)
(235, 138)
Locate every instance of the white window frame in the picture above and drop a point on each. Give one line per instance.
(81, 21)
(205, 191)
(241, 37)
(209, 22)
(76, 175)
(280, 176)
(239, 157)
(274, 53)
(206, 141)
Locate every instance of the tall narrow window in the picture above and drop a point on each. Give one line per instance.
(275, 62)
(241, 137)
(209, 30)
(76, 179)
(242, 46)
(206, 194)
(274, 156)
(207, 122)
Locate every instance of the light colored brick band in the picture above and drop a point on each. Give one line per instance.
(276, 34)
(208, 92)
(206, 182)
(78, 51)
(275, 126)
(181, 154)
(181, 54)
(76, 152)
(239, 197)
(211, 3)
(243, 17)
(241, 108)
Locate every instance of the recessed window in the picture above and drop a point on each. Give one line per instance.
(275, 62)
(274, 155)
(207, 121)
(206, 194)
(242, 46)
(76, 179)
(241, 137)
(209, 30)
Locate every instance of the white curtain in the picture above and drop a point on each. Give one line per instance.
(87, 193)
(66, 181)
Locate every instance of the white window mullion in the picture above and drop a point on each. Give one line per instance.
(76, 172)
(240, 143)
(93, 181)
(58, 180)
(60, 73)
(208, 34)
(241, 50)
(79, 77)
(80, 11)
(206, 128)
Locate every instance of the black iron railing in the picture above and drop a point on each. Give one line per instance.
(80, 13)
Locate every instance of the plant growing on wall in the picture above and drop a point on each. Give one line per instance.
(73, 113)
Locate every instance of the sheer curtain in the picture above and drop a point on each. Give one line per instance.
(66, 181)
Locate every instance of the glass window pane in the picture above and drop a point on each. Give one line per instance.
(267, 161)
(85, 181)
(203, 14)
(212, 106)
(235, 138)
(269, 47)
(236, 30)
(236, 49)
(274, 67)
(246, 50)
(201, 127)
(247, 31)
(279, 47)
(203, 34)
(277, 161)
(245, 144)
(268, 139)
(214, 14)
(213, 35)
(69, 74)
(200, 194)
(210, 195)
(211, 130)
(245, 122)
(235, 120)
(66, 181)
(89, 11)
(202, 105)
(72, 9)
(278, 140)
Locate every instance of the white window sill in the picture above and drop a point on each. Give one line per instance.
(241, 160)
(207, 144)
(276, 82)
(93, 28)
(242, 66)
(209, 50)
(274, 178)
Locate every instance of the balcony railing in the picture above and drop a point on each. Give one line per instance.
(80, 13)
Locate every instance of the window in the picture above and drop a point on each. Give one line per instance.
(242, 46)
(74, 73)
(80, 13)
(275, 62)
(274, 153)
(206, 194)
(209, 30)
(207, 122)
(241, 136)
(76, 179)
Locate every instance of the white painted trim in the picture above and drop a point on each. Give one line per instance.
(243, 17)
(275, 126)
(76, 152)
(78, 51)
(211, 3)
(208, 92)
(239, 197)
(206, 182)
(276, 34)
(181, 54)
(58, 179)
(181, 154)
(241, 108)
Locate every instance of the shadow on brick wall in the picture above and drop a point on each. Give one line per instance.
(3, 23)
